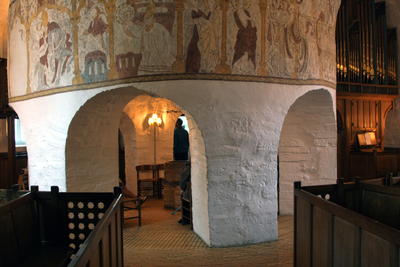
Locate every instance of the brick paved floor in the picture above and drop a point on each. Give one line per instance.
(161, 241)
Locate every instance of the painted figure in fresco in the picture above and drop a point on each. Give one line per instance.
(157, 44)
(209, 46)
(193, 55)
(150, 38)
(125, 16)
(129, 52)
(246, 39)
(308, 52)
(97, 26)
(202, 31)
(296, 45)
(280, 15)
(55, 52)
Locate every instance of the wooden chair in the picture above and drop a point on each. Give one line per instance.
(160, 167)
(23, 179)
(131, 202)
(187, 207)
(154, 183)
(128, 204)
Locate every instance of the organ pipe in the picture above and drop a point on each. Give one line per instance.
(366, 52)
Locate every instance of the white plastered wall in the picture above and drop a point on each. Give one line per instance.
(234, 134)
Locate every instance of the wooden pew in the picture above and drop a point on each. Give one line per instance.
(357, 226)
(389, 180)
(20, 239)
(50, 228)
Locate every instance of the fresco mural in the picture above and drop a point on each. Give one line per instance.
(50, 48)
(201, 36)
(72, 42)
(93, 42)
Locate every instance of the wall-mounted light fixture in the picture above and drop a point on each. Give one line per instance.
(156, 121)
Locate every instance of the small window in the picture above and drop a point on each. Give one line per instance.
(19, 134)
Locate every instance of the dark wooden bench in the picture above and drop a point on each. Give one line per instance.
(347, 224)
(378, 199)
(50, 228)
(20, 239)
(389, 180)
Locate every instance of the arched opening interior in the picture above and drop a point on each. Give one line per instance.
(307, 145)
(145, 144)
(92, 149)
(93, 145)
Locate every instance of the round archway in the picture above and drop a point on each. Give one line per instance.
(92, 144)
(307, 146)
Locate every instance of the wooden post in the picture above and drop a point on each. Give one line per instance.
(34, 188)
(340, 191)
(55, 216)
(14, 191)
(375, 160)
(117, 191)
(389, 181)
(356, 196)
(297, 186)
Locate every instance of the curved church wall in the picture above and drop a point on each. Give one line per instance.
(254, 59)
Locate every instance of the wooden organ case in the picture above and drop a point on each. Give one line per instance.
(366, 55)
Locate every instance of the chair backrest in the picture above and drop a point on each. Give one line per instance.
(145, 168)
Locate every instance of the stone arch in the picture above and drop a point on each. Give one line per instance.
(307, 139)
(91, 153)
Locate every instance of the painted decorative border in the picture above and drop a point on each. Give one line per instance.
(172, 77)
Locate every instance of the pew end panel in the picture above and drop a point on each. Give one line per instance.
(328, 234)
(20, 237)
